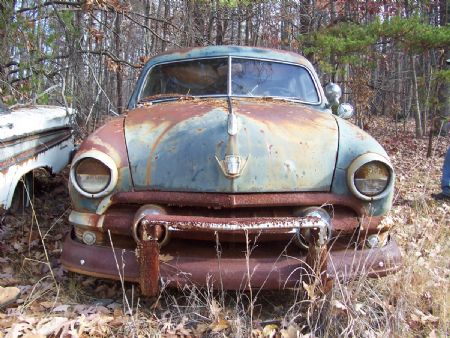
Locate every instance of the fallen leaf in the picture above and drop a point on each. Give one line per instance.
(429, 319)
(117, 322)
(200, 329)
(52, 326)
(219, 325)
(47, 305)
(270, 330)
(358, 308)
(7, 322)
(256, 333)
(290, 332)
(215, 308)
(33, 335)
(310, 290)
(165, 258)
(432, 334)
(8, 295)
(61, 308)
(424, 318)
(338, 305)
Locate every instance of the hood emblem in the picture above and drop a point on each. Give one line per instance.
(232, 165)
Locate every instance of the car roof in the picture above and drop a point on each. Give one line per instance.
(236, 51)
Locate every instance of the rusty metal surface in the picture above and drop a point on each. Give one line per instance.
(148, 258)
(196, 263)
(316, 258)
(194, 223)
(119, 218)
(213, 200)
(173, 146)
(110, 140)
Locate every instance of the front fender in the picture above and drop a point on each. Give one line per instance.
(108, 139)
(354, 142)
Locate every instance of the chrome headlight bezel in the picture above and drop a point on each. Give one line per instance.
(105, 160)
(361, 161)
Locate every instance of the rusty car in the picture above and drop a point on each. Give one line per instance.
(31, 137)
(230, 170)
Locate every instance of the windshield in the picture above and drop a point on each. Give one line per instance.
(197, 77)
(249, 78)
(265, 78)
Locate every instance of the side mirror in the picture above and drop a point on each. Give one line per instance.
(345, 110)
(333, 92)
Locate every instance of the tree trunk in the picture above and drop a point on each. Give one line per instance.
(219, 27)
(417, 115)
(119, 67)
(145, 30)
(165, 26)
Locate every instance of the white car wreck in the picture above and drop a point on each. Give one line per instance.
(31, 138)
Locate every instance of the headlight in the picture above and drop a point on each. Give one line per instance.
(93, 174)
(370, 177)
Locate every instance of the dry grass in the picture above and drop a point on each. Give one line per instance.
(412, 303)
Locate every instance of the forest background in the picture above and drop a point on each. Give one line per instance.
(388, 55)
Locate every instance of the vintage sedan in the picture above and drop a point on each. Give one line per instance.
(31, 138)
(230, 171)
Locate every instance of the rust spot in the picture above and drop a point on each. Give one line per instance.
(172, 112)
(148, 257)
(214, 200)
(110, 139)
(192, 263)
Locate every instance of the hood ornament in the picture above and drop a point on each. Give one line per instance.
(232, 165)
(233, 124)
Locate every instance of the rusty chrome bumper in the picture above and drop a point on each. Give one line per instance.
(185, 263)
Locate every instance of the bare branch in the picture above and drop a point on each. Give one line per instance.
(111, 56)
(50, 3)
(151, 30)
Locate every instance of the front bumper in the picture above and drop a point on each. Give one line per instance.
(187, 262)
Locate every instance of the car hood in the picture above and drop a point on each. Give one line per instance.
(182, 146)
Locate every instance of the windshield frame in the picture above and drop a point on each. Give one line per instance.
(229, 79)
